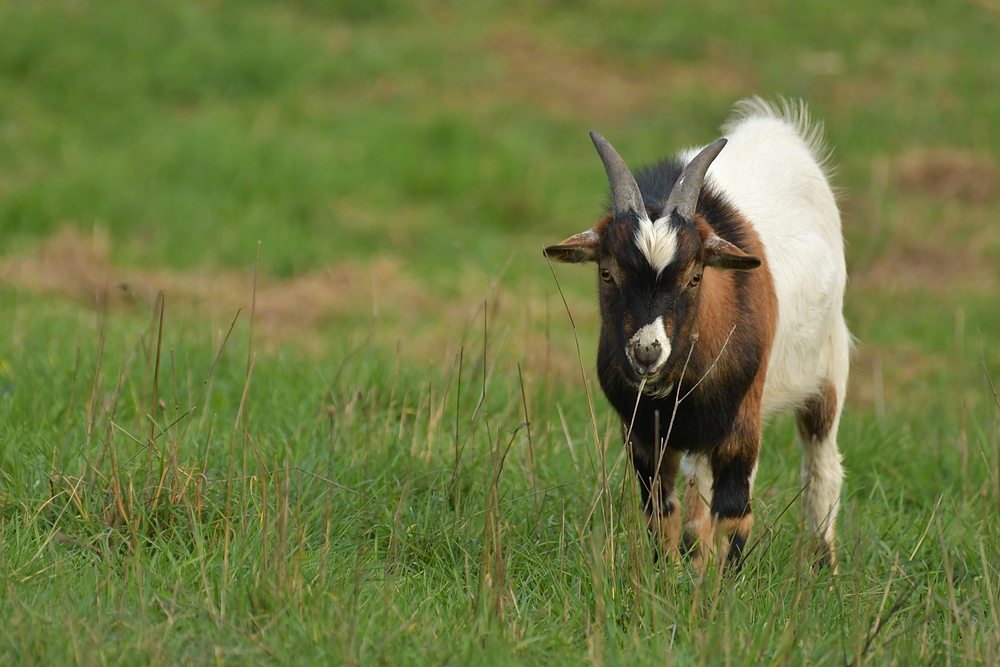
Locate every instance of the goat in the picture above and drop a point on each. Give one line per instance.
(721, 281)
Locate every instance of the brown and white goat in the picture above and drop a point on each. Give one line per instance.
(721, 281)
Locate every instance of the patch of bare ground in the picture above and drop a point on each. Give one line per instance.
(572, 82)
(948, 174)
(940, 270)
(940, 219)
(78, 267)
(559, 79)
(309, 308)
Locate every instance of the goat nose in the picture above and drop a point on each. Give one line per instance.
(647, 353)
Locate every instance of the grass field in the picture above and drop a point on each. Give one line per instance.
(284, 378)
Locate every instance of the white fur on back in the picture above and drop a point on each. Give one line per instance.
(793, 112)
(773, 171)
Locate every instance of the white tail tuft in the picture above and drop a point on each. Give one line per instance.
(793, 112)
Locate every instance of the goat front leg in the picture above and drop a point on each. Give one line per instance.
(656, 469)
(734, 467)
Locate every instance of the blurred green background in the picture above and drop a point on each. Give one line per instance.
(451, 137)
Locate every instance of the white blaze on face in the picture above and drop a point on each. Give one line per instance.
(657, 241)
(653, 332)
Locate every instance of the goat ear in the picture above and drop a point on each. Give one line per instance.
(582, 247)
(722, 254)
(577, 249)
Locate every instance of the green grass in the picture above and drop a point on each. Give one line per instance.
(315, 513)
(366, 490)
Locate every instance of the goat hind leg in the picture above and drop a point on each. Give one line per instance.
(698, 542)
(822, 474)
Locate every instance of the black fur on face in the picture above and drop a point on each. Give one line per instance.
(633, 295)
(650, 314)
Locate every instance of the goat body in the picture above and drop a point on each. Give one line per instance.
(721, 277)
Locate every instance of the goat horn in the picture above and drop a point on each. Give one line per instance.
(625, 195)
(684, 196)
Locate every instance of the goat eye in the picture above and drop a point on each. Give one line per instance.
(606, 275)
(695, 279)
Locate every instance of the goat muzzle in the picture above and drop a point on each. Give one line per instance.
(646, 354)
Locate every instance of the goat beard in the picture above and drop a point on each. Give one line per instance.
(657, 389)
